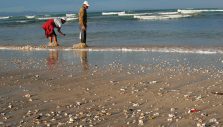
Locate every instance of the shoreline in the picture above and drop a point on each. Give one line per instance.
(152, 48)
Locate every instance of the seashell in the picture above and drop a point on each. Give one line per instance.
(27, 96)
(141, 123)
(71, 120)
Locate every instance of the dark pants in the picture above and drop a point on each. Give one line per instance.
(83, 36)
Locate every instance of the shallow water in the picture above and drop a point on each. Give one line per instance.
(200, 29)
(12, 61)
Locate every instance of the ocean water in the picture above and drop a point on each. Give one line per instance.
(176, 27)
(190, 37)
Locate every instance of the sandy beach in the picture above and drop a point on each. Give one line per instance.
(53, 92)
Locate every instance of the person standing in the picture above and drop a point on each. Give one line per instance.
(49, 26)
(83, 22)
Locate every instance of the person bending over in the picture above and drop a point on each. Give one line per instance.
(49, 26)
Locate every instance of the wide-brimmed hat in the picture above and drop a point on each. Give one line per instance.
(86, 3)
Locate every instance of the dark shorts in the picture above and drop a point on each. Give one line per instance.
(50, 34)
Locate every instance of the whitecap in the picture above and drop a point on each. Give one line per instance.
(22, 21)
(161, 17)
(70, 15)
(168, 13)
(193, 11)
(30, 16)
(71, 18)
(113, 13)
(133, 14)
(46, 18)
(5, 17)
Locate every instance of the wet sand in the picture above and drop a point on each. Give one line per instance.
(57, 94)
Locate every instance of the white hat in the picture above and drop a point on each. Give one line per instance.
(86, 3)
(64, 18)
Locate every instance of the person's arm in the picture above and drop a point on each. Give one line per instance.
(59, 31)
(81, 18)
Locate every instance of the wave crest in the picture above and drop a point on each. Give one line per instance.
(195, 11)
(30, 16)
(113, 13)
(161, 17)
(5, 17)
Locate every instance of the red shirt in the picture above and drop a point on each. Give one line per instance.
(49, 26)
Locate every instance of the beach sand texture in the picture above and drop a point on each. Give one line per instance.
(51, 92)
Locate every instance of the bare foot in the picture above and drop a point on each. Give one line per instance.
(80, 46)
(50, 44)
(56, 44)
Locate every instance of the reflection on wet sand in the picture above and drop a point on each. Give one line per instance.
(52, 59)
(83, 59)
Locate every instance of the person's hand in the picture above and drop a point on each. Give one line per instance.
(83, 28)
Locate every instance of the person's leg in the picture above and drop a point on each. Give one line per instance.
(55, 39)
(51, 39)
(83, 36)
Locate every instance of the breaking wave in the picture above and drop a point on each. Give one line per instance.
(151, 16)
(46, 18)
(35, 18)
(113, 13)
(30, 16)
(161, 17)
(168, 13)
(5, 17)
(70, 15)
(22, 21)
(193, 11)
(133, 14)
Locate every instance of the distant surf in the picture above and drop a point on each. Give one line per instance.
(150, 16)
(34, 18)
(162, 15)
(141, 15)
(194, 11)
(5, 17)
(30, 16)
(113, 13)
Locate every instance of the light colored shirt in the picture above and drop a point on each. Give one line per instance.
(83, 17)
(58, 22)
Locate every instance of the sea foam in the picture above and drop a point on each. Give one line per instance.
(5, 17)
(30, 16)
(182, 50)
(161, 17)
(113, 13)
(133, 14)
(22, 21)
(193, 11)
